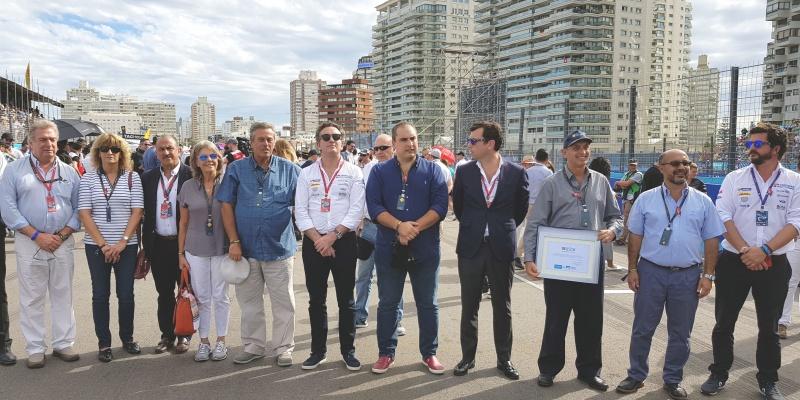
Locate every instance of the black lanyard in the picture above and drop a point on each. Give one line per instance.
(209, 206)
(578, 193)
(105, 192)
(758, 187)
(677, 209)
(261, 178)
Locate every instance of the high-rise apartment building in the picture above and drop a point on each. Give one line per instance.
(204, 119)
(348, 105)
(422, 50)
(364, 69)
(701, 108)
(781, 103)
(304, 103)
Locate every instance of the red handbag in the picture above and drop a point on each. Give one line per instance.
(186, 311)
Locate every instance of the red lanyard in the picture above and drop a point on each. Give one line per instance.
(327, 184)
(40, 174)
(168, 188)
(488, 191)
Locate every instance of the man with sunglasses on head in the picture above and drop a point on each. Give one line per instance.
(39, 200)
(760, 206)
(669, 269)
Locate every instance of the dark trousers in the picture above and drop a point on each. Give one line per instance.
(100, 272)
(585, 300)
(471, 273)
(734, 282)
(343, 268)
(164, 265)
(5, 339)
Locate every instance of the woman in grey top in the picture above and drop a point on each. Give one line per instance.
(201, 247)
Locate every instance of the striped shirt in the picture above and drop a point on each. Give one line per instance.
(123, 199)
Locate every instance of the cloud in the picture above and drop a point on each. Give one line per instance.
(732, 33)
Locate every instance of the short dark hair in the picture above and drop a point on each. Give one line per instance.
(327, 125)
(491, 131)
(398, 126)
(601, 165)
(541, 155)
(775, 136)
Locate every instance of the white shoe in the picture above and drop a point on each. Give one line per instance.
(401, 330)
(220, 352)
(203, 353)
(285, 359)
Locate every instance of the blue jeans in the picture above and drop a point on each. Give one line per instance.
(101, 290)
(661, 287)
(425, 284)
(364, 272)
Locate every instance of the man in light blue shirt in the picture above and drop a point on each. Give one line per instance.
(39, 200)
(673, 234)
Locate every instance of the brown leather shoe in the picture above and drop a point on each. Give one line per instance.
(183, 346)
(164, 345)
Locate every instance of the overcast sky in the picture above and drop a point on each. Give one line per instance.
(243, 54)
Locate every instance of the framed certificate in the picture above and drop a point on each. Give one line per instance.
(568, 254)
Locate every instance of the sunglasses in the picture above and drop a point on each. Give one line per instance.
(381, 148)
(114, 149)
(327, 137)
(472, 141)
(678, 163)
(754, 143)
(206, 157)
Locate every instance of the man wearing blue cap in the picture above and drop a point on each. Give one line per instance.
(573, 198)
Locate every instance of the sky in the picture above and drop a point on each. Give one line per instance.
(243, 54)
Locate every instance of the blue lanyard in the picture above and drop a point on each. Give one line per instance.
(677, 209)
(758, 187)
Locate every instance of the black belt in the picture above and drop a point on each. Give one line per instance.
(673, 268)
(171, 237)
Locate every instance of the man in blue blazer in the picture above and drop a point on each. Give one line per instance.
(490, 199)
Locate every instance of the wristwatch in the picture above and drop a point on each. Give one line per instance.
(126, 238)
(710, 277)
(339, 235)
(62, 236)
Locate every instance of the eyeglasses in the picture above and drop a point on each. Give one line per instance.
(206, 157)
(472, 141)
(678, 163)
(114, 149)
(327, 137)
(381, 148)
(754, 143)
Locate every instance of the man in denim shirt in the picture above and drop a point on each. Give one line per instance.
(407, 197)
(256, 195)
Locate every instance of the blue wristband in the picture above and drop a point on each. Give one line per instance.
(766, 250)
(35, 235)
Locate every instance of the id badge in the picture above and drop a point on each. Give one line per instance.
(762, 218)
(665, 236)
(401, 202)
(108, 213)
(51, 203)
(585, 217)
(166, 209)
(325, 205)
(259, 198)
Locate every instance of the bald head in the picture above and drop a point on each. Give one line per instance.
(674, 165)
(383, 141)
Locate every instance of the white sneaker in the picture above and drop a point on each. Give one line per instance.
(220, 352)
(285, 359)
(203, 352)
(401, 330)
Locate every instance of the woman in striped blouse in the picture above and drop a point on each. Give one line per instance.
(110, 208)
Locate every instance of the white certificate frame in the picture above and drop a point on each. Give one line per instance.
(576, 246)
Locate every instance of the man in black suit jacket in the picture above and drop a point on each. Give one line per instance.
(490, 199)
(160, 234)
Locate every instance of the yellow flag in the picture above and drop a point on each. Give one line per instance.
(147, 134)
(28, 76)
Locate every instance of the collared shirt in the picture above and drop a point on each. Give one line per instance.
(366, 170)
(536, 176)
(23, 198)
(346, 194)
(698, 221)
(426, 190)
(489, 187)
(167, 226)
(150, 159)
(738, 201)
(263, 216)
(557, 207)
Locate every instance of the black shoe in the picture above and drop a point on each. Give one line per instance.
(508, 370)
(712, 385)
(313, 361)
(164, 345)
(463, 367)
(595, 382)
(132, 347)
(544, 380)
(350, 361)
(629, 385)
(105, 355)
(518, 263)
(675, 391)
(8, 358)
(770, 392)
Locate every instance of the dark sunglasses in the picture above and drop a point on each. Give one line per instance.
(206, 157)
(678, 163)
(114, 149)
(327, 136)
(381, 148)
(472, 141)
(754, 143)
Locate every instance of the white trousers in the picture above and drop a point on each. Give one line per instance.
(211, 292)
(793, 256)
(277, 276)
(38, 273)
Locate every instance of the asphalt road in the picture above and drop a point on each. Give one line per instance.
(169, 376)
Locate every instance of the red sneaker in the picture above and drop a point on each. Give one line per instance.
(434, 365)
(382, 365)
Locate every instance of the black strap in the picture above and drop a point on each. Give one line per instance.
(677, 209)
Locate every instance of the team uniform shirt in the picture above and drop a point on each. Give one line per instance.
(739, 201)
(167, 226)
(343, 204)
(122, 200)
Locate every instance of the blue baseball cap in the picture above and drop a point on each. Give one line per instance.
(575, 137)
